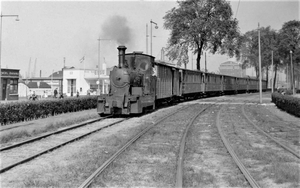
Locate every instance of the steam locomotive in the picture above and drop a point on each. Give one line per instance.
(140, 82)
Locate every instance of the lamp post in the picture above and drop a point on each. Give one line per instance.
(156, 27)
(98, 82)
(147, 38)
(292, 74)
(17, 19)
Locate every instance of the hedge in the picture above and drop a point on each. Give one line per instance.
(287, 103)
(28, 110)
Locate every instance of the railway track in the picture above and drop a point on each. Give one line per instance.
(251, 146)
(269, 136)
(99, 170)
(235, 157)
(24, 160)
(51, 133)
(179, 171)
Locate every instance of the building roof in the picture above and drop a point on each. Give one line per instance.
(229, 63)
(42, 85)
(57, 74)
(36, 79)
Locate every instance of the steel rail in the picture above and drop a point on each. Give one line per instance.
(91, 178)
(179, 174)
(57, 146)
(52, 133)
(269, 136)
(244, 170)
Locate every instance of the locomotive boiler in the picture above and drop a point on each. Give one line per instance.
(132, 85)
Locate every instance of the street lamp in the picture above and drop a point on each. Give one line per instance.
(156, 27)
(292, 74)
(17, 19)
(98, 82)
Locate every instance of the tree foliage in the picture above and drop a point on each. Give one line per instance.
(178, 53)
(203, 25)
(280, 42)
(249, 50)
(289, 36)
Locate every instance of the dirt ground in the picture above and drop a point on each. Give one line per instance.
(152, 164)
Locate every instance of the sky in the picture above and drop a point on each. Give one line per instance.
(52, 34)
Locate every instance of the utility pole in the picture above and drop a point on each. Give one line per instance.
(272, 77)
(292, 74)
(156, 27)
(259, 58)
(192, 61)
(205, 63)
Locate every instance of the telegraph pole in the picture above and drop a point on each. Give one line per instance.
(272, 77)
(292, 74)
(259, 59)
(205, 63)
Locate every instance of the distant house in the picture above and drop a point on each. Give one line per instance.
(39, 88)
(9, 84)
(231, 68)
(54, 80)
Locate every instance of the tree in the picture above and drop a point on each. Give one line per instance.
(249, 49)
(289, 36)
(203, 25)
(178, 53)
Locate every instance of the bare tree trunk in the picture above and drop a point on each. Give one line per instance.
(199, 50)
(256, 72)
(198, 59)
(267, 75)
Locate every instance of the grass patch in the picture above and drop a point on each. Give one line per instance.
(199, 178)
(48, 125)
(237, 180)
(284, 172)
(79, 167)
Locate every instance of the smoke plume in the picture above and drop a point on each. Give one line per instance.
(116, 28)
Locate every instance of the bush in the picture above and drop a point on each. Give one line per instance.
(289, 92)
(287, 103)
(28, 110)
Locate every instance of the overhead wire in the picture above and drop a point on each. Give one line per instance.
(237, 9)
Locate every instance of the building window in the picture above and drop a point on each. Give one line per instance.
(13, 87)
(71, 85)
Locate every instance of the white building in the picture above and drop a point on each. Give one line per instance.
(84, 81)
(41, 89)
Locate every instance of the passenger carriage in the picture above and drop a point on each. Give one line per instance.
(139, 82)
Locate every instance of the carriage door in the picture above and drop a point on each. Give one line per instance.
(174, 82)
(180, 77)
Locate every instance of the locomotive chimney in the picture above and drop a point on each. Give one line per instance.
(121, 55)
